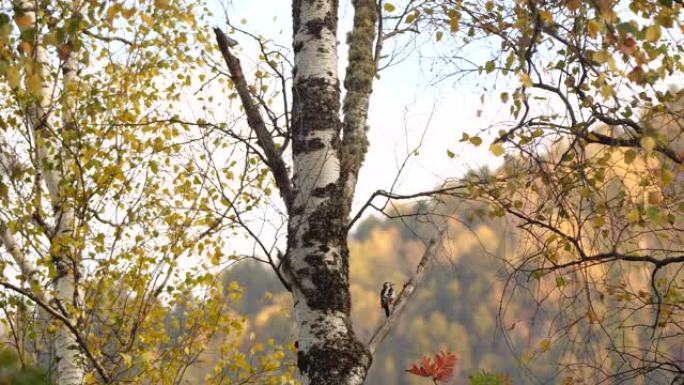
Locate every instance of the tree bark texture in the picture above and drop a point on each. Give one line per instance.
(326, 156)
(317, 260)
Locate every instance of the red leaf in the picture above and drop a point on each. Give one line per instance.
(445, 362)
(440, 370)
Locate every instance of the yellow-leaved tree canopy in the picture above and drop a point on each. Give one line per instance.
(592, 174)
(106, 216)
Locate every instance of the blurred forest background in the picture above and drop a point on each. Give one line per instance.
(455, 308)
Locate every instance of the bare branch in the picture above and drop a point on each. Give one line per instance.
(405, 295)
(274, 159)
(107, 38)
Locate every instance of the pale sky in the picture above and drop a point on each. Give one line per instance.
(402, 103)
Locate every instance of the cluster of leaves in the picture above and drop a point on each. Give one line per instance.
(439, 368)
(148, 192)
(485, 378)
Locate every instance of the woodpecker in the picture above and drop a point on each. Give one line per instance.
(387, 297)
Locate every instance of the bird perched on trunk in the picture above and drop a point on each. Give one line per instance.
(387, 297)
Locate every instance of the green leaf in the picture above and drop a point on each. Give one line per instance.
(667, 176)
(389, 7)
(439, 35)
(450, 154)
(653, 214)
(476, 140)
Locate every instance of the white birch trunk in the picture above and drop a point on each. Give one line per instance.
(53, 164)
(70, 360)
(328, 351)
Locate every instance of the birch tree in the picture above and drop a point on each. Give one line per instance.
(327, 134)
(103, 195)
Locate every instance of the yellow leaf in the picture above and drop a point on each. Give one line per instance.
(633, 216)
(89, 379)
(599, 221)
(475, 140)
(496, 149)
(439, 35)
(647, 142)
(453, 23)
(667, 176)
(607, 91)
(33, 85)
(13, 77)
(112, 11)
(653, 33)
(630, 155)
(525, 78)
(147, 19)
(128, 13)
(612, 65)
(127, 358)
(544, 345)
(601, 56)
(546, 16)
(389, 7)
(594, 27)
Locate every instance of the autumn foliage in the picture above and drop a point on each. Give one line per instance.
(441, 368)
